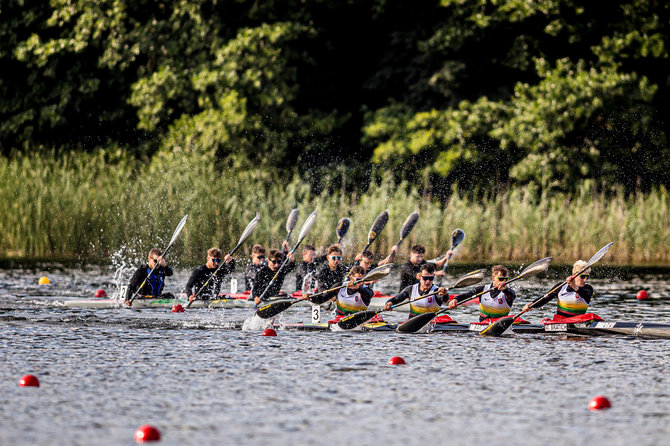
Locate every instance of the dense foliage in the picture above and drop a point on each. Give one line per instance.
(480, 92)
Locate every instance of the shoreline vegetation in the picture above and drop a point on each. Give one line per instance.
(105, 205)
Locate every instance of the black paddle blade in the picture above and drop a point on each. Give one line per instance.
(378, 225)
(498, 327)
(416, 323)
(356, 319)
(342, 228)
(409, 225)
(274, 308)
(457, 237)
(319, 299)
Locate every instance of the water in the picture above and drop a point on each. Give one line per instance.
(103, 373)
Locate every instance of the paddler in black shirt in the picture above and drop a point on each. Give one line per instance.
(497, 302)
(410, 271)
(154, 285)
(574, 296)
(202, 274)
(425, 285)
(265, 275)
(366, 259)
(257, 263)
(333, 273)
(308, 266)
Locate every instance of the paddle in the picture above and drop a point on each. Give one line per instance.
(457, 236)
(356, 319)
(405, 230)
(291, 221)
(342, 228)
(375, 229)
(501, 325)
(245, 234)
(175, 234)
(414, 324)
(306, 226)
(274, 308)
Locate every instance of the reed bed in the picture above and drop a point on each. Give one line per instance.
(102, 206)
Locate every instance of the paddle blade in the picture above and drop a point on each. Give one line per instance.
(535, 268)
(356, 319)
(416, 323)
(274, 308)
(248, 230)
(599, 255)
(319, 299)
(176, 232)
(409, 225)
(378, 225)
(307, 226)
(470, 278)
(498, 327)
(342, 228)
(292, 220)
(457, 237)
(378, 273)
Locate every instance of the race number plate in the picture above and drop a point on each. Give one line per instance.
(233, 286)
(316, 314)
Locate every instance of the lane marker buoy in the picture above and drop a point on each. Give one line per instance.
(29, 381)
(44, 280)
(269, 332)
(599, 402)
(147, 432)
(396, 360)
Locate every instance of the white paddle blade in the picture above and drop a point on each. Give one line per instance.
(176, 232)
(536, 268)
(378, 273)
(307, 225)
(292, 220)
(249, 229)
(599, 255)
(457, 237)
(470, 278)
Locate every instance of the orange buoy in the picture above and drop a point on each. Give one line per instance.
(29, 381)
(599, 402)
(642, 295)
(178, 309)
(44, 280)
(100, 293)
(396, 360)
(269, 332)
(147, 432)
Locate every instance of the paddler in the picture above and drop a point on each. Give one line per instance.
(202, 274)
(573, 297)
(354, 297)
(154, 284)
(366, 259)
(267, 272)
(257, 263)
(497, 302)
(410, 272)
(333, 273)
(426, 285)
(308, 266)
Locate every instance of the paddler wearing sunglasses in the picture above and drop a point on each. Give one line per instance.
(497, 302)
(265, 275)
(334, 272)
(202, 274)
(355, 297)
(426, 285)
(574, 296)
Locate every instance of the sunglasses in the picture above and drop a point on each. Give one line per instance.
(216, 259)
(274, 261)
(584, 276)
(335, 257)
(427, 278)
(501, 279)
(260, 257)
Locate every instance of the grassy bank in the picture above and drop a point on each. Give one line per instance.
(104, 205)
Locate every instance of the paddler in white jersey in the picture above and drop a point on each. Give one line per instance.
(573, 297)
(429, 304)
(498, 301)
(354, 297)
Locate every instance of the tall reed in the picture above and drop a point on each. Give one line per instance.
(102, 205)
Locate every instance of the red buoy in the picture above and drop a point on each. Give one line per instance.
(269, 332)
(599, 402)
(178, 309)
(100, 293)
(147, 432)
(29, 381)
(642, 295)
(396, 360)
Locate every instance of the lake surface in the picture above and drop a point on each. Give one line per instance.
(103, 373)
